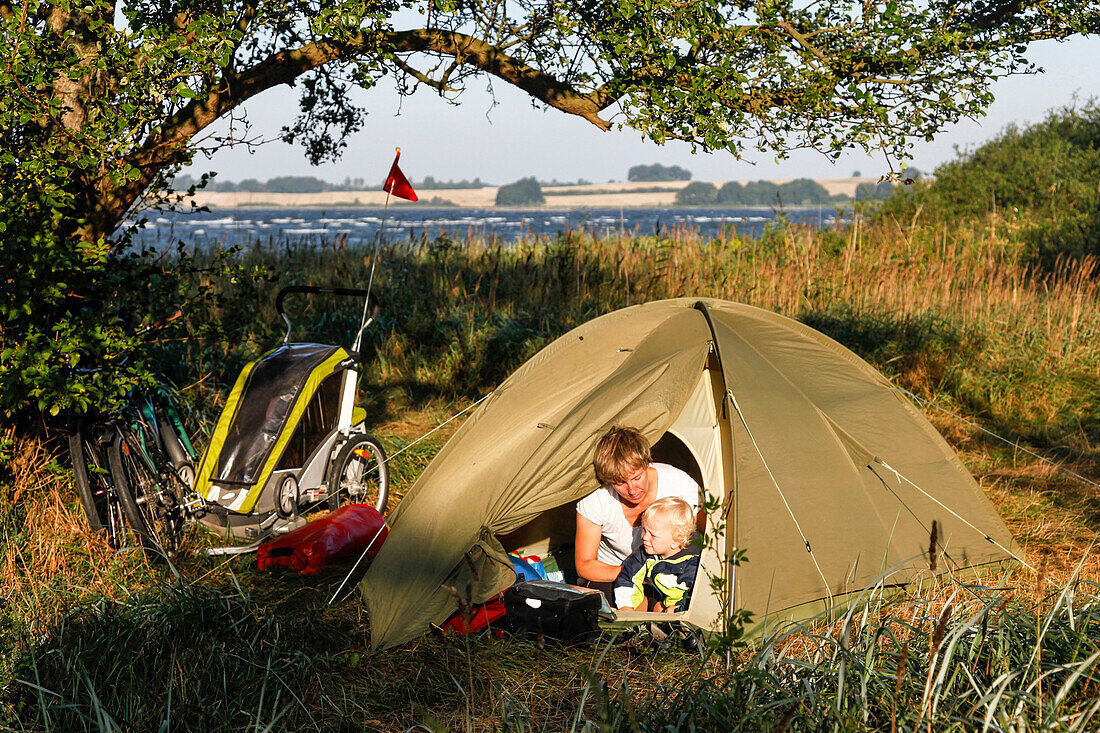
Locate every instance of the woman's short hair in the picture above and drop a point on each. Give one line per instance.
(678, 514)
(619, 453)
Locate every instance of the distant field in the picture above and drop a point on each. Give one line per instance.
(596, 195)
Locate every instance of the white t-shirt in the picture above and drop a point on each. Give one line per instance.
(602, 507)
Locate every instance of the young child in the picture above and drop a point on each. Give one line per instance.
(659, 575)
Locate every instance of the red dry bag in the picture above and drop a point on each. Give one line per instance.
(344, 533)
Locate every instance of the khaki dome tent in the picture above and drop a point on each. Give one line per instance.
(826, 474)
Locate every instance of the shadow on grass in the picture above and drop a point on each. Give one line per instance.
(272, 656)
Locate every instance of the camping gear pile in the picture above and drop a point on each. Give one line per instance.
(814, 465)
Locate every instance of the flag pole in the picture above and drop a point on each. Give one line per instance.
(381, 234)
(377, 246)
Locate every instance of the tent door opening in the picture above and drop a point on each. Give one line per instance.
(693, 442)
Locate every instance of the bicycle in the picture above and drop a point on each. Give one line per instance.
(134, 469)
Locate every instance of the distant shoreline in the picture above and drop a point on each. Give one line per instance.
(590, 196)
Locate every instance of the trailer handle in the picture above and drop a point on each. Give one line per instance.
(371, 304)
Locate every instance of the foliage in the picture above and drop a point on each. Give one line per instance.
(658, 172)
(120, 663)
(524, 192)
(104, 102)
(1021, 351)
(799, 192)
(128, 96)
(430, 183)
(697, 193)
(948, 314)
(307, 184)
(1041, 179)
(959, 658)
(874, 191)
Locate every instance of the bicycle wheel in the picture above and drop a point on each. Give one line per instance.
(90, 483)
(95, 487)
(360, 473)
(150, 506)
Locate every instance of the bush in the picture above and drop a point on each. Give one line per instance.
(1043, 177)
(658, 172)
(697, 193)
(524, 192)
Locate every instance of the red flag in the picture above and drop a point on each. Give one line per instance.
(397, 184)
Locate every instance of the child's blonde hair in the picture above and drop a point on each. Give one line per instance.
(619, 453)
(678, 514)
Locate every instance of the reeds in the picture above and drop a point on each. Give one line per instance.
(957, 656)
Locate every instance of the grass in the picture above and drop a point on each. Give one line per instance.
(99, 641)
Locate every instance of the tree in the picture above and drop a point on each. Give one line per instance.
(524, 192)
(658, 172)
(1043, 177)
(874, 191)
(104, 101)
(124, 92)
(697, 193)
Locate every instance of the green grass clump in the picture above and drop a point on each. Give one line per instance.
(169, 658)
(950, 656)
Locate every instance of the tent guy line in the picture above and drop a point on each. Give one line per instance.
(901, 477)
(1014, 444)
(452, 418)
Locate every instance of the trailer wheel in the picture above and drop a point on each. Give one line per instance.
(360, 474)
(288, 497)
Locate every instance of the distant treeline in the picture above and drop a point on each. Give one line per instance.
(310, 184)
(799, 192)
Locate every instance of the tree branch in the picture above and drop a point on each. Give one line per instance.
(169, 145)
(437, 84)
(489, 58)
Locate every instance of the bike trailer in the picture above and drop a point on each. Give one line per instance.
(290, 439)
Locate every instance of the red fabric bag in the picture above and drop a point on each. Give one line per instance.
(342, 534)
(481, 617)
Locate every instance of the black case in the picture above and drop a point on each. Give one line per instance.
(556, 611)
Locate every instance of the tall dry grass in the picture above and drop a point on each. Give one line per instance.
(954, 316)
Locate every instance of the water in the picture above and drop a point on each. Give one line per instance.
(359, 226)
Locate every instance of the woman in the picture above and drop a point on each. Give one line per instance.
(609, 519)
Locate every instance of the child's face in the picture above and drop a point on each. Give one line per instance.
(658, 538)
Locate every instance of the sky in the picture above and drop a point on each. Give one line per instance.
(513, 139)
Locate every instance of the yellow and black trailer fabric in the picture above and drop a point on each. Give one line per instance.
(266, 403)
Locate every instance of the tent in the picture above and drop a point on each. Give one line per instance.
(817, 467)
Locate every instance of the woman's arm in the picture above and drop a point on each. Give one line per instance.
(586, 543)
